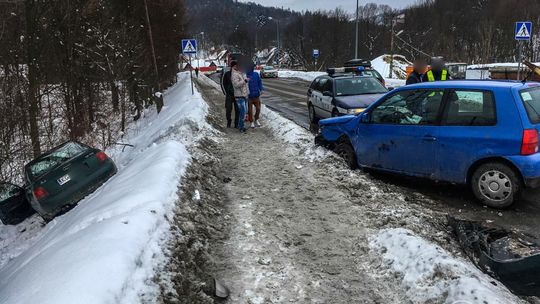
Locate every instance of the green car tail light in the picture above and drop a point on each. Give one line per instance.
(101, 156)
(40, 193)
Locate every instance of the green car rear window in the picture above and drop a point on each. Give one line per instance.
(531, 101)
(54, 158)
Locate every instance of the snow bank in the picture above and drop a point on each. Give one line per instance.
(105, 250)
(310, 76)
(297, 137)
(382, 65)
(494, 65)
(394, 83)
(307, 76)
(429, 274)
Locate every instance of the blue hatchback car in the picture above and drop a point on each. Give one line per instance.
(480, 133)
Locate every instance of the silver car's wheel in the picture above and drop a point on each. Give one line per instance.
(496, 185)
(312, 115)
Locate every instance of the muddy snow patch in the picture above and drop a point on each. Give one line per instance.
(301, 141)
(430, 274)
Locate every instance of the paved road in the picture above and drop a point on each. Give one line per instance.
(288, 97)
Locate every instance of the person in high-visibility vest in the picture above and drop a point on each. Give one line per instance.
(438, 72)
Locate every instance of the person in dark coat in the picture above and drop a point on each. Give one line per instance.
(230, 101)
(418, 73)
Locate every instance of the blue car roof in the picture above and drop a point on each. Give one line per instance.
(473, 84)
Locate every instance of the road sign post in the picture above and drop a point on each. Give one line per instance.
(523, 32)
(189, 47)
(316, 55)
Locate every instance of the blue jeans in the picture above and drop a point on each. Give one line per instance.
(242, 109)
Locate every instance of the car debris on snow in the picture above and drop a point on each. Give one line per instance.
(430, 274)
(197, 195)
(510, 257)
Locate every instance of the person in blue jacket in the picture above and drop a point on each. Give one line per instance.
(255, 90)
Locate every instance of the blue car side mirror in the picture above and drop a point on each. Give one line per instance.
(364, 117)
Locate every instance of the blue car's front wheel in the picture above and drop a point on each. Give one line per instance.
(346, 151)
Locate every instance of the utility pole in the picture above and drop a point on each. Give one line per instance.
(395, 20)
(151, 39)
(356, 37)
(203, 43)
(278, 45)
(520, 59)
(392, 48)
(278, 42)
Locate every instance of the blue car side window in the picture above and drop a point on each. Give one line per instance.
(470, 108)
(415, 107)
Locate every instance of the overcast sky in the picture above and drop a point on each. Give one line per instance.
(348, 5)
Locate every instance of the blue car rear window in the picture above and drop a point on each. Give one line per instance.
(531, 101)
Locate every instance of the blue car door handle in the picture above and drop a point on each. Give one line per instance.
(429, 138)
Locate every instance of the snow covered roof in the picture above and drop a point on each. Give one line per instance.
(494, 65)
(382, 65)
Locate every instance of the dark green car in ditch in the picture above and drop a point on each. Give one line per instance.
(57, 180)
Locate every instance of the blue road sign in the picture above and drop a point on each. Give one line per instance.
(316, 53)
(523, 30)
(189, 46)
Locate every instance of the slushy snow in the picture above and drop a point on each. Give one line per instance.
(430, 274)
(107, 248)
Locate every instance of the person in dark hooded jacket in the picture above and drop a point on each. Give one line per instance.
(417, 75)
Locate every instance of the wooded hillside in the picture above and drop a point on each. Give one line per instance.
(80, 69)
(470, 31)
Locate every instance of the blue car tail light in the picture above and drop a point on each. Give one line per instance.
(529, 144)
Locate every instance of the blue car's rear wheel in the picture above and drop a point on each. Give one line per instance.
(496, 185)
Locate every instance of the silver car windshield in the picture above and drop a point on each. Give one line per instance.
(359, 86)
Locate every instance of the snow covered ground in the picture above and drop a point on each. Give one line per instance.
(105, 250)
(429, 273)
(381, 64)
(307, 76)
(279, 252)
(310, 76)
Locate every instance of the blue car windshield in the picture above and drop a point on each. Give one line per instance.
(531, 101)
(359, 86)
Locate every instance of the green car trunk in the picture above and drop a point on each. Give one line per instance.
(68, 182)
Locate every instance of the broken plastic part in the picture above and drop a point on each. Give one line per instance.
(221, 291)
(512, 258)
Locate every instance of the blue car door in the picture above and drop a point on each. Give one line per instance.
(402, 133)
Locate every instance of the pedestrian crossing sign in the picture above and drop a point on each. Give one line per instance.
(189, 46)
(523, 30)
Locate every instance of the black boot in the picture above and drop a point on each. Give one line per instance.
(228, 123)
